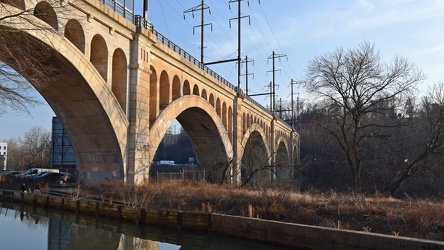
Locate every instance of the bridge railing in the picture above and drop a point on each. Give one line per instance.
(120, 8)
(139, 21)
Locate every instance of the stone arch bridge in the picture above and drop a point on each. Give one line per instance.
(116, 85)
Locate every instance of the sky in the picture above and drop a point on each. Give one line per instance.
(296, 30)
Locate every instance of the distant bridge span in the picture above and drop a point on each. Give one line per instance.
(116, 86)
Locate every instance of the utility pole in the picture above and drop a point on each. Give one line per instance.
(246, 61)
(145, 9)
(202, 7)
(273, 57)
(292, 103)
(239, 23)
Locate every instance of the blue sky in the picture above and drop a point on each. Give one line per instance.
(299, 29)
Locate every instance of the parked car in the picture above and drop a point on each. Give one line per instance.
(55, 178)
(34, 171)
(11, 174)
(33, 178)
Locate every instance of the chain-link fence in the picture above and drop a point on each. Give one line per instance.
(185, 175)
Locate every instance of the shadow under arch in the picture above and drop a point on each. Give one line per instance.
(207, 133)
(255, 155)
(76, 93)
(283, 169)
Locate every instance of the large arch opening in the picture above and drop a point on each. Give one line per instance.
(207, 143)
(77, 95)
(283, 170)
(255, 164)
(206, 134)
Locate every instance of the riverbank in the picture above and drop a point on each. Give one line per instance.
(267, 231)
(423, 219)
(257, 214)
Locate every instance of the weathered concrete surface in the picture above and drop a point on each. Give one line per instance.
(273, 232)
(312, 237)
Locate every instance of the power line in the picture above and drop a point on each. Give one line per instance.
(202, 7)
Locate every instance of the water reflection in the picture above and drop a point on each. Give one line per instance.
(28, 227)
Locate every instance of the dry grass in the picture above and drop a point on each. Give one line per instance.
(377, 214)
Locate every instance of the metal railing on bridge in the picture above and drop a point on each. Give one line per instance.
(119, 8)
(139, 21)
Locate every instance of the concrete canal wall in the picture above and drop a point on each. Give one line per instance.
(273, 232)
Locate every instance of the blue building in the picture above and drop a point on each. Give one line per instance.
(62, 153)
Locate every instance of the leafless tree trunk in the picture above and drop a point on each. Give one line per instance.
(432, 142)
(354, 86)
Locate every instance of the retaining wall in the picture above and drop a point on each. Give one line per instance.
(273, 232)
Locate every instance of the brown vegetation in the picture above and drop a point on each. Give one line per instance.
(377, 214)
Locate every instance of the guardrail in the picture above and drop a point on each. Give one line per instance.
(139, 21)
(121, 9)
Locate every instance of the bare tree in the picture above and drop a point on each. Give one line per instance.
(17, 67)
(35, 148)
(355, 85)
(31, 150)
(430, 121)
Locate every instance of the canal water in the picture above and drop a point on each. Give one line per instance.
(29, 227)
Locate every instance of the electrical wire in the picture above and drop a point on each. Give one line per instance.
(163, 15)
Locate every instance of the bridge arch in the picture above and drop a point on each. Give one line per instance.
(20, 4)
(283, 168)
(153, 95)
(196, 90)
(211, 100)
(204, 94)
(218, 108)
(224, 115)
(78, 95)
(206, 131)
(175, 88)
(164, 93)
(45, 12)
(119, 77)
(99, 56)
(230, 124)
(255, 154)
(186, 88)
(74, 33)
